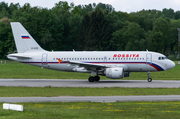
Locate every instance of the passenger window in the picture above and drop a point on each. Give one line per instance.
(159, 58)
(109, 58)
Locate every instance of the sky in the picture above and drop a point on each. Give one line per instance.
(119, 5)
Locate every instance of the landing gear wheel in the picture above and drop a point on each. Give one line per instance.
(91, 79)
(149, 79)
(97, 78)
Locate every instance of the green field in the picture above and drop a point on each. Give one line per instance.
(17, 70)
(68, 91)
(90, 110)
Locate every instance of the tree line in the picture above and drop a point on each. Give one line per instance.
(92, 27)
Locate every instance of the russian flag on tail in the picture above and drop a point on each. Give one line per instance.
(25, 37)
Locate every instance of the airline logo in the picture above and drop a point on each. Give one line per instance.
(126, 55)
(24, 36)
(59, 60)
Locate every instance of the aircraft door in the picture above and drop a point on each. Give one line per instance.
(148, 58)
(44, 59)
(105, 59)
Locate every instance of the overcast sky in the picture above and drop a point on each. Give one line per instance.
(119, 5)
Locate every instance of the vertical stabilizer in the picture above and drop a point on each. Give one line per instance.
(24, 41)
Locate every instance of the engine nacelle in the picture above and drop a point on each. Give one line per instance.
(115, 73)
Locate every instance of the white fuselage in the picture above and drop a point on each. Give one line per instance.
(130, 61)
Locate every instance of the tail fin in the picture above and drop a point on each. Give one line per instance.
(24, 41)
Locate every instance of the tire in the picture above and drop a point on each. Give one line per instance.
(97, 78)
(149, 79)
(91, 79)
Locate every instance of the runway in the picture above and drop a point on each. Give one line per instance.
(85, 83)
(91, 98)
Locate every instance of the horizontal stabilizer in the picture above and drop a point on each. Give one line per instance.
(19, 56)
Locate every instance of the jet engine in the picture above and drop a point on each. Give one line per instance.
(115, 73)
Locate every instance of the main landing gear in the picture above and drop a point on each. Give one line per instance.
(149, 79)
(92, 79)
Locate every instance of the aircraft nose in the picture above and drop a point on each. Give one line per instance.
(171, 65)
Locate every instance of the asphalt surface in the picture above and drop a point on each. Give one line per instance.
(90, 98)
(85, 83)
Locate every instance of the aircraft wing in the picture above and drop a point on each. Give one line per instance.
(88, 65)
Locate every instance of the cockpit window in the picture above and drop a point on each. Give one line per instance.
(162, 58)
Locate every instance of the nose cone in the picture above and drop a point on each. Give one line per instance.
(170, 65)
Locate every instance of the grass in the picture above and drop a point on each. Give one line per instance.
(86, 110)
(17, 70)
(67, 91)
(89, 110)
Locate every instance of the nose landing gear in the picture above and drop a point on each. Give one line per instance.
(149, 79)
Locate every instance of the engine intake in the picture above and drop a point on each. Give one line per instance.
(115, 73)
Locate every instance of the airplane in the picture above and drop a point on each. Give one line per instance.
(112, 64)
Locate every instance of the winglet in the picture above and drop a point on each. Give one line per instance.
(59, 60)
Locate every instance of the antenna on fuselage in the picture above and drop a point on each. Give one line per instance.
(73, 50)
(147, 50)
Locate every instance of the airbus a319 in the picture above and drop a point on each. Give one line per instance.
(112, 64)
